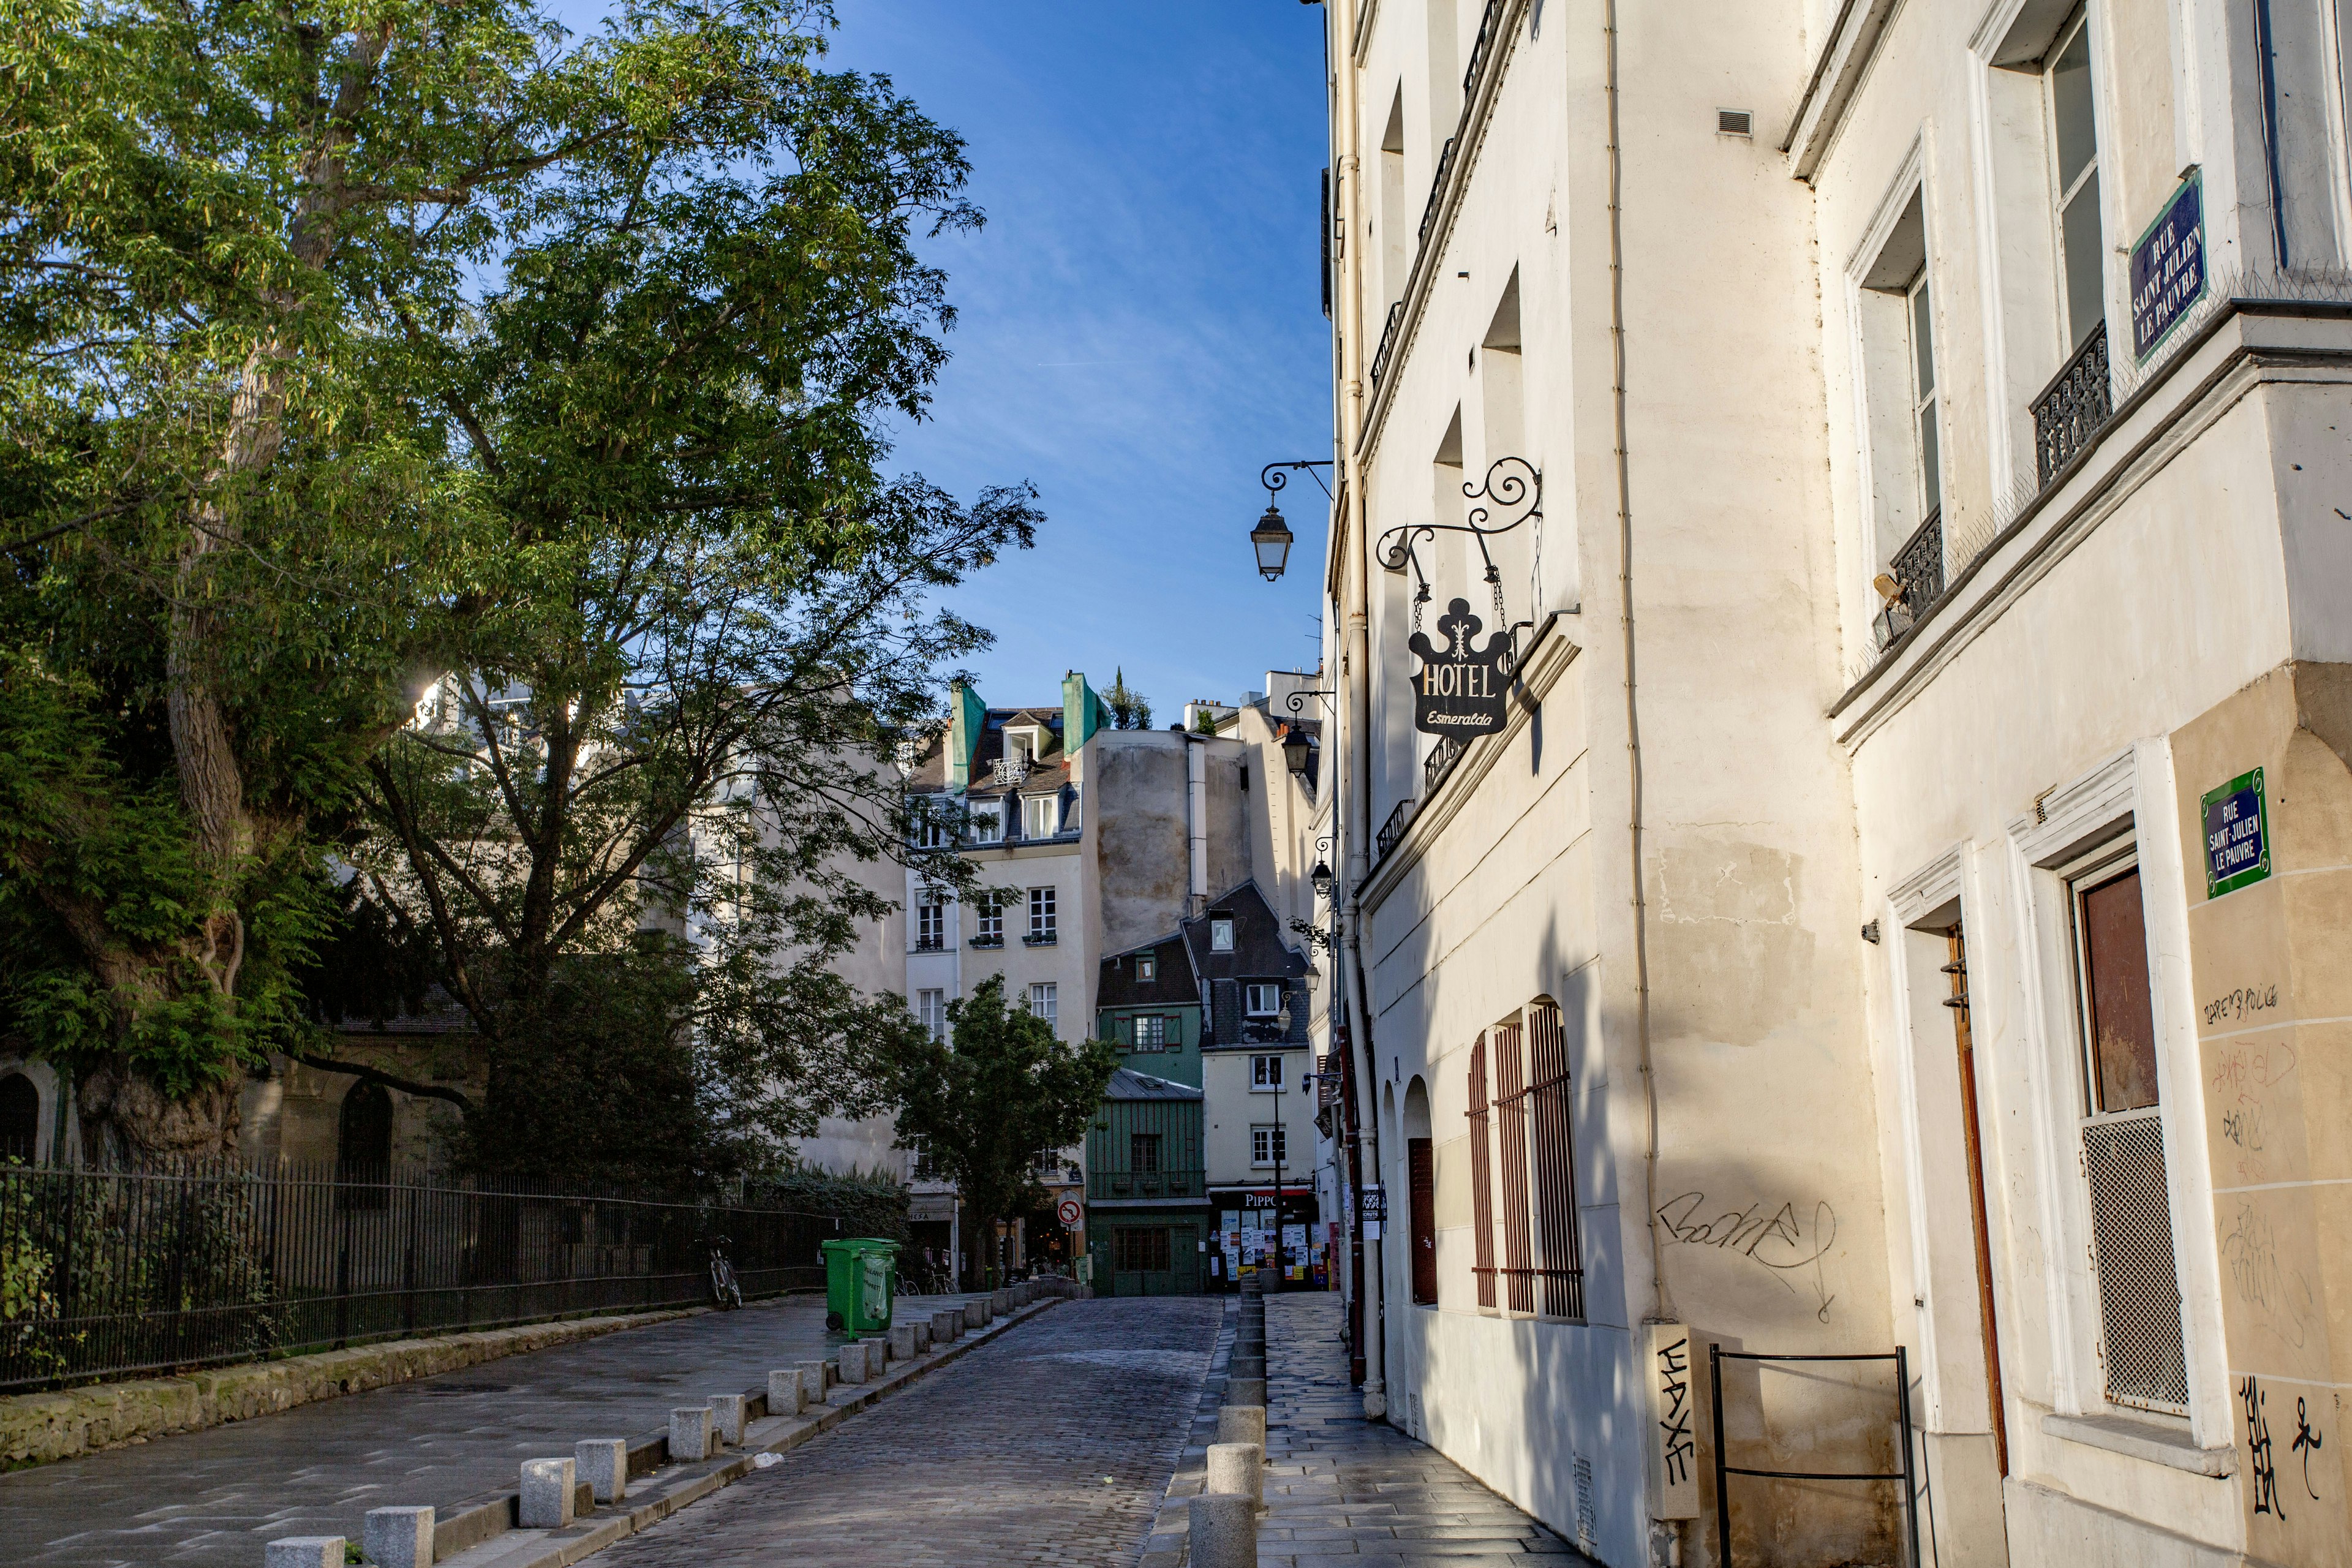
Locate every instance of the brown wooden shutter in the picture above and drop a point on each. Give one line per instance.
(1482, 1179)
(1558, 1264)
(1421, 1167)
(1511, 1113)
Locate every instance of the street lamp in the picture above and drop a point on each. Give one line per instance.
(1272, 536)
(1321, 877)
(1296, 750)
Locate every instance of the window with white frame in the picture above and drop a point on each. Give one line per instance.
(931, 828)
(931, 1012)
(1044, 1001)
(989, 912)
(2074, 182)
(1041, 815)
(1147, 967)
(2141, 1348)
(1266, 1146)
(987, 817)
(931, 926)
(1896, 317)
(1265, 1072)
(1221, 934)
(1150, 1032)
(1040, 914)
(1261, 1001)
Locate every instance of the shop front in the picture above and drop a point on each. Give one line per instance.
(1259, 1230)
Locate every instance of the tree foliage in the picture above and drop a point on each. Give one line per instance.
(984, 1103)
(1128, 710)
(361, 350)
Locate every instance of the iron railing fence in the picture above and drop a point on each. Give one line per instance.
(111, 1273)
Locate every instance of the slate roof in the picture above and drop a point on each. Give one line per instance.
(1128, 1084)
(1174, 985)
(1260, 954)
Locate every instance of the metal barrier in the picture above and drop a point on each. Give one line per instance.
(1716, 1356)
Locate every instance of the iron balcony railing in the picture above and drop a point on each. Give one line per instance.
(1176, 1183)
(996, 941)
(1440, 763)
(1040, 939)
(1436, 189)
(2071, 410)
(126, 1273)
(1388, 341)
(1394, 829)
(1918, 572)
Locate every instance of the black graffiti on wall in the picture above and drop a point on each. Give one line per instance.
(1788, 1242)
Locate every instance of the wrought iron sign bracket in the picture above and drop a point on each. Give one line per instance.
(1274, 479)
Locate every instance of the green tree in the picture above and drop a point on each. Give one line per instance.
(984, 1103)
(350, 344)
(1128, 710)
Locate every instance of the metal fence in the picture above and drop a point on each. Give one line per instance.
(108, 1273)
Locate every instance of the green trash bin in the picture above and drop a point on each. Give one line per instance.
(861, 1278)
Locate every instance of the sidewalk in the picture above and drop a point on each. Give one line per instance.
(214, 1497)
(1342, 1490)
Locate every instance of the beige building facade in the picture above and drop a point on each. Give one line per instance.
(1899, 902)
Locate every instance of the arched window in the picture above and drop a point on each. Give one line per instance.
(363, 1149)
(20, 1118)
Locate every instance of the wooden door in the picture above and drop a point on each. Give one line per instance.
(1420, 1164)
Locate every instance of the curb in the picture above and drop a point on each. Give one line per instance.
(484, 1535)
(1166, 1544)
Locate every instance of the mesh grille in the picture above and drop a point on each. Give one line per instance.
(2139, 1289)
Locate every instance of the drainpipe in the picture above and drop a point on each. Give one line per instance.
(1356, 713)
(1196, 819)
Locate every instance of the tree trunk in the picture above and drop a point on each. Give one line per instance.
(127, 1120)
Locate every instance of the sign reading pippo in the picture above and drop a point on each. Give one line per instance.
(1460, 689)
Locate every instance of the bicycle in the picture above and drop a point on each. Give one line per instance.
(726, 1290)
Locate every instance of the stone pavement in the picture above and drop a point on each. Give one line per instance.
(1340, 1490)
(213, 1497)
(1051, 1445)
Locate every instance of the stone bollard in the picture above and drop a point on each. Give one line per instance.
(689, 1434)
(975, 1314)
(1221, 1531)
(812, 1381)
(946, 1327)
(1238, 1469)
(604, 1465)
(878, 1354)
(727, 1418)
(922, 1335)
(548, 1494)
(1246, 1390)
(902, 1342)
(787, 1393)
(304, 1551)
(851, 1359)
(1242, 1423)
(397, 1537)
(1246, 1366)
(1001, 1303)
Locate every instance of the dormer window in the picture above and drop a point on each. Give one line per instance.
(1147, 967)
(1221, 934)
(987, 821)
(1041, 815)
(1264, 1001)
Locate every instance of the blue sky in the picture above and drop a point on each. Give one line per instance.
(1141, 325)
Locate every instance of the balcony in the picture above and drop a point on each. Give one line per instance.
(996, 941)
(2073, 408)
(1440, 763)
(929, 944)
(1116, 1184)
(1040, 939)
(1394, 829)
(1917, 570)
(1388, 341)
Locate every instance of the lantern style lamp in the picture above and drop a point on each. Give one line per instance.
(1321, 877)
(1296, 749)
(1272, 538)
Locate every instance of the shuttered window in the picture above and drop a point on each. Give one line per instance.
(1421, 1170)
(1511, 1119)
(1482, 1181)
(1559, 1266)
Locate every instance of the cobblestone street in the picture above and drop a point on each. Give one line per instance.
(1053, 1445)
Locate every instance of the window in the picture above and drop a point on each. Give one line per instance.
(1559, 1266)
(987, 821)
(20, 1118)
(991, 913)
(925, 1168)
(1923, 396)
(1150, 1032)
(1221, 934)
(1266, 1146)
(1040, 914)
(931, 1012)
(930, 927)
(1147, 967)
(1265, 1072)
(1140, 1250)
(1421, 1188)
(928, 829)
(2142, 1352)
(1482, 1180)
(2074, 182)
(1041, 815)
(1511, 1131)
(1044, 1001)
(1264, 1001)
(1143, 1153)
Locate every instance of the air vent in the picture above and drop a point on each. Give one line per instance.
(1735, 122)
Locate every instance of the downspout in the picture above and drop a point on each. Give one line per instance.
(1358, 813)
(1660, 1308)
(1196, 820)
(2268, 65)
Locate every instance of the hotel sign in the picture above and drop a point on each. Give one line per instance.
(2168, 268)
(1460, 689)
